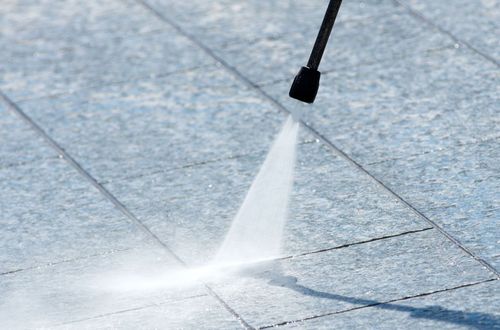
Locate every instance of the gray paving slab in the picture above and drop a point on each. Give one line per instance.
(457, 188)
(414, 105)
(152, 125)
(79, 60)
(30, 20)
(266, 57)
(475, 22)
(179, 140)
(49, 214)
(52, 48)
(332, 204)
(223, 22)
(19, 144)
(343, 279)
(190, 313)
(474, 307)
(87, 288)
(354, 43)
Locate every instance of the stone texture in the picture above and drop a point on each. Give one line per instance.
(224, 22)
(420, 111)
(413, 106)
(356, 276)
(332, 204)
(153, 125)
(271, 52)
(45, 19)
(51, 48)
(191, 313)
(457, 188)
(474, 307)
(19, 144)
(87, 288)
(476, 22)
(49, 213)
(178, 140)
(353, 44)
(96, 58)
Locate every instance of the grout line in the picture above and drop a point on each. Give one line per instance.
(165, 302)
(355, 243)
(375, 304)
(16, 109)
(62, 153)
(193, 164)
(369, 19)
(314, 132)
(113, 83)
(49, 264)
(423, 18)
(438, 151)
(397, 57)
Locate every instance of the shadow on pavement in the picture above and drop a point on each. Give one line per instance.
(473, 320)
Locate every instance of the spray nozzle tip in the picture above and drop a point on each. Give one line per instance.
(305, 85)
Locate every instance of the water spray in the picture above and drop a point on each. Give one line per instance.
(306, 83)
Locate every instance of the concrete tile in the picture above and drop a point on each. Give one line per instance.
(19, 144)
(88, 288)
(45, 19)
(412, 106)
(191, 313)
(457, 188)
(332, 204)
(477, 23)
(49, 213)
(152, 125)
(474, 307)
(75, 61)
(223, 22)
(353, 43)
(352, 277)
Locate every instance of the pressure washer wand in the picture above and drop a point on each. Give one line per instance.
(306, 83)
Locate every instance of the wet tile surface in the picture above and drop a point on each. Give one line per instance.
(183, 314)
(158, 124)
(476, 23)
(19, 144)
(52, 49)
(456, 188)
(31, 20)
(342, 279)
(378, 39)
(415, 105)
(192, 208)
(177, 139)
(50, 214)
(225, 22)
(97, 58)
(87, 288)
(455, 309)
(389, 119)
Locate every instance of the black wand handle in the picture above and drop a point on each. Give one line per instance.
(324, 33)
(306, 83)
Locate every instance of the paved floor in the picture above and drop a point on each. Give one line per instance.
(130, 132)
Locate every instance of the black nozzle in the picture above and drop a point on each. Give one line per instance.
(305, 85)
